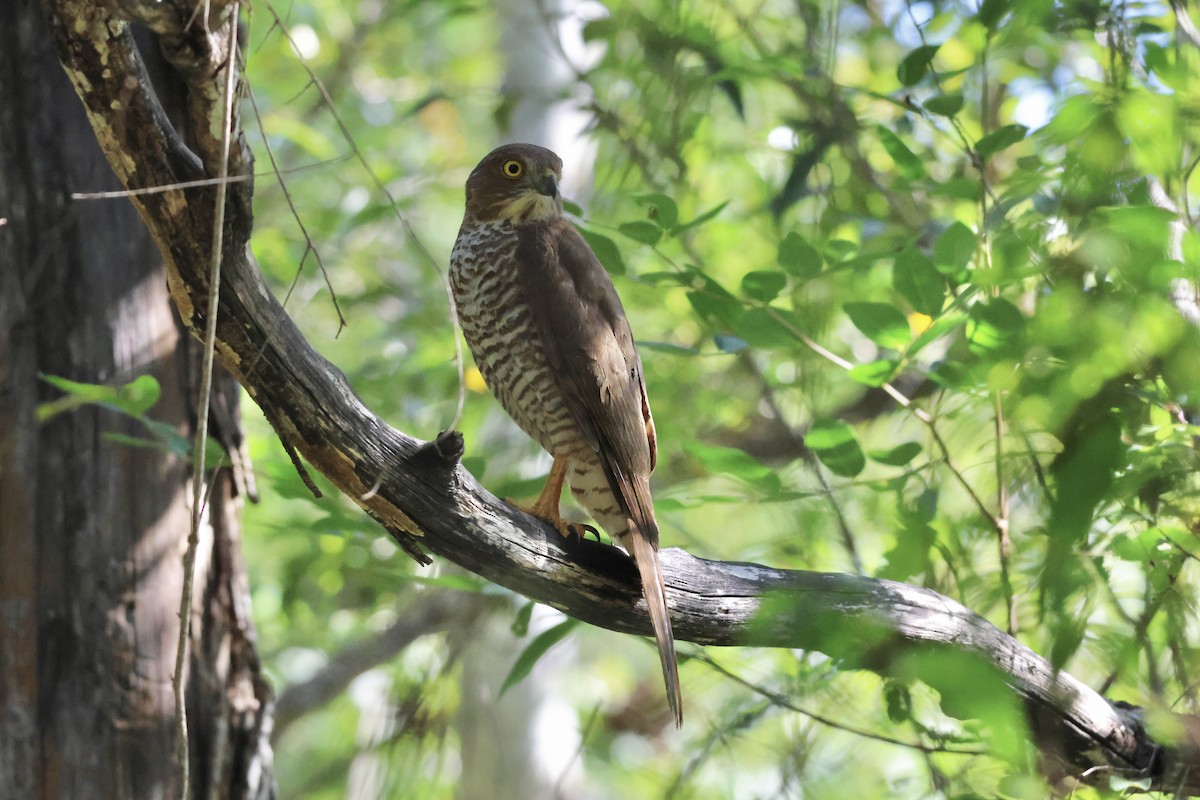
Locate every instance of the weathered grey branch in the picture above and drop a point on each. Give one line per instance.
(420, 489)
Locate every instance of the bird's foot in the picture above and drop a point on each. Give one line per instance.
(568, 530)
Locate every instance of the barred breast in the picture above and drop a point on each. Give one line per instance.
(500, 332)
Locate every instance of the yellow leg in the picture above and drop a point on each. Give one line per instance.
(545, 507)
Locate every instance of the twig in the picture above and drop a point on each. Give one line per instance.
(198, 451)
(121, 194)
(784, 702)
(287, 196)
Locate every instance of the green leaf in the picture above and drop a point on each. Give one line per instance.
(876, 373)
(731, 461)
(914, 65)
(568, 206)
(906, 160)
(641, 231)
(703, 218)
(138, 396)
(898, 456)
(999, 139)
(991, 12)
(711, 300)
(879, 322)
(759, 327)
(898, 701)
(520, 626)
(954, 248)
(663, 211)
(763, 285)
(835, 444)
(945, 105)
(533, 652)
(134, 398)
(798, 257)
(995, 328)
(606, 250)
(86, 392)
(917, 280)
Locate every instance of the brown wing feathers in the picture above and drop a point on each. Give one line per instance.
(592, 352)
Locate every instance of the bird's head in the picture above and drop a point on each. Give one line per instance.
(515, 182)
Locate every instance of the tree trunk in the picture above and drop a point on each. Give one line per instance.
(92, 530)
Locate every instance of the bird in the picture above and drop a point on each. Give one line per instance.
(551, 339)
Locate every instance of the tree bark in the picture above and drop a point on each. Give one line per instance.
(419, 491)
(91, 530)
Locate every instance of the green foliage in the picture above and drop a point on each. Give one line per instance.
(930, 237)
(537, 648)
(135, 400)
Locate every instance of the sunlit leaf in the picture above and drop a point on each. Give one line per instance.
(520, 626)
(702, 218)
(836, 446)
(907, 162)
(875, 373)
(916, 278)
(534, 651)
(606, 250)
(799, 257)
(898, 456)
(763, 285)
(914, 65)
(883, 324)
(995, 328)
(731, 461)
(945, 105)
(954, 248)
(662, 209)
(761, 328)
(641, 231)
(999, 139)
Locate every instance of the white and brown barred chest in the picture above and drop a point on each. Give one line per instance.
(500, 331)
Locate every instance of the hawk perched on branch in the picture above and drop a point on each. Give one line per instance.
(551, 339)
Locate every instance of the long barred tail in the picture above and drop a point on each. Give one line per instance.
(645, 556)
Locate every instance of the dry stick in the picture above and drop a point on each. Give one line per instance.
(784, 702)
(198, 450)
(287, 195)
(409, 231)
(170, 187)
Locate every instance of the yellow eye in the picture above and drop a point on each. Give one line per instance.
(513, 169)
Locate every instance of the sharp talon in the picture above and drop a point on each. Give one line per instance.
(581, 530)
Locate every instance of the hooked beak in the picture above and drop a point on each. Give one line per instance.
(548, 185)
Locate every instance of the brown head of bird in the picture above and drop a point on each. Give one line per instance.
(518, 183)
